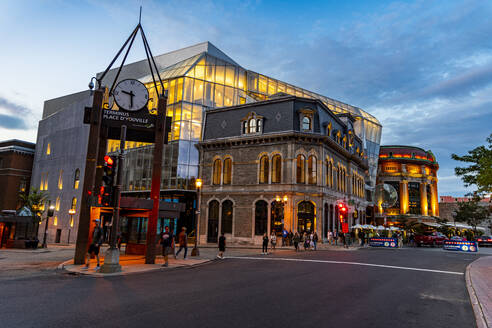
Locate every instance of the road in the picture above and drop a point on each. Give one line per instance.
(283, 290)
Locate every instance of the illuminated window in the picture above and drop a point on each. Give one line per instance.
(23, 185)
(74, 204)
(252, 125)
(71, 222)
(227, 171)
(76, 179)
(48, 149)
(57, 203)
(55, 221)
(300, 178)
(60, 180)
(312, 170)
(46, 181)
(328, 129)
(276, 169)
(264, 169)
(216, 172)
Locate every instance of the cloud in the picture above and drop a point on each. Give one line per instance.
(13, 108)
(12, 123)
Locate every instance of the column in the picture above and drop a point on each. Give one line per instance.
(423, 199)
(434, 205)
(403, 197)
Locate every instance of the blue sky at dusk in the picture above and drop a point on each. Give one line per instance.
(423, 68)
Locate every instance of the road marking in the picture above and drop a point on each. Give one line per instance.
(343, 262)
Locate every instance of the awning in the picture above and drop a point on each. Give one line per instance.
(432, 224)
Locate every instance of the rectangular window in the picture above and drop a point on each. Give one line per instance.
(219, 72)
(228, 96)
(263, 84)
(229, 78)
(200, 69)
(186, 112)
(171, 92)
(198, 92)
(210, 70)
(219, 95)
(188, 90)
(179, 90)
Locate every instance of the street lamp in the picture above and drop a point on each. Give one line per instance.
(71, 212)
(51, 212)
(195, 251)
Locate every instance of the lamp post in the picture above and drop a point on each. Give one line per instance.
(51, 212)
(195, 251)
(71, 212)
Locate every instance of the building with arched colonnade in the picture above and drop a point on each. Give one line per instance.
(412, 171)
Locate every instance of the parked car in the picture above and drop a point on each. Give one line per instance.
(484, 240)
(430, 239)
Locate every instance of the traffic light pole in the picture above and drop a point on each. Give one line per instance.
(112, 255)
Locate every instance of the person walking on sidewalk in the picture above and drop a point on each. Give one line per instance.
(330, 237)
(264, 249)
(296, 239)
(335, 237)
(222, 246)
(285, 234)
(167, 242)
(315, 240)
(183, 242)
(94, 247)
(362, 238)
(273, 240)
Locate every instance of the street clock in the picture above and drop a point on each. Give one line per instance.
(131, 95)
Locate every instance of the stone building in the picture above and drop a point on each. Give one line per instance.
(281, 163)
(412, 171)
(448, 205)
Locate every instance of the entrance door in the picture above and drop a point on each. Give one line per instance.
(58, 236)
(305, 217)
(213, 222)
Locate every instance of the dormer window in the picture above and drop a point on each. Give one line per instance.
(252, 124)
(306, 123)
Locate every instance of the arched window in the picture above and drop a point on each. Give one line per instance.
(258, 125)
(306, 123)
(74, 204)
(261, 217)
(76, 179)
(216, 172)
(60, 180)
(252, 125)
(227, 171)
(300, 178)
(57, 203)
(245, 127)
(329, 173)
(312, 169)
(276, 169)
(227, 208)
(264, 169)
(213, 221)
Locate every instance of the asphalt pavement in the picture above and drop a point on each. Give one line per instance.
(363, 288)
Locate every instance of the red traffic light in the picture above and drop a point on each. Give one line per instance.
(342, 207)
(109, 161)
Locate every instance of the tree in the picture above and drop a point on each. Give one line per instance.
(34, 201)
(471, 212)
(479, 172)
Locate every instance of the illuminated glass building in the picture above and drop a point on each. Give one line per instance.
(197, 78)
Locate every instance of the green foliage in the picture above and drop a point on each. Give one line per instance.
(34, 201)
(471, 212)
(479, 172)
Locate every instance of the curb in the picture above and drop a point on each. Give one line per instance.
(61, 267)
(477, 307)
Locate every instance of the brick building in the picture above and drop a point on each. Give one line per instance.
(275, 164)
(16, 159)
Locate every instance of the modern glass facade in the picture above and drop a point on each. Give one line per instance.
(205, 81)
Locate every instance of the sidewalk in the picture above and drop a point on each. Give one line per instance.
(479, 284)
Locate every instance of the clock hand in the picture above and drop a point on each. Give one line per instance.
(131, 98)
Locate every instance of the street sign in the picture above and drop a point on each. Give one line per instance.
(460, 246)
(383, 242)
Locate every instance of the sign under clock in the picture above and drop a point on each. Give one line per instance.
(131, 95)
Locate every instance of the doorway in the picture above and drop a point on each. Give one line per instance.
(58, 236)
(213, 222)
(305, 217)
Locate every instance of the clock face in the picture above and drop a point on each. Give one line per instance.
(131, 95)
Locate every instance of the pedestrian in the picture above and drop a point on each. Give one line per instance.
(183, 242)
(264, 250)
(306, 241)
(296, 241)
(285, 235)
(315, 240)
(361, 237)
(273, 240)
(330, 237)
(352, 236)
(344, 239)
(222, 245)
(400, 240)
(335, 237)
(167, 242)
(94, 247)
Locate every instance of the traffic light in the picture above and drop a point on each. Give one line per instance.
(106, 192)
(343, 212)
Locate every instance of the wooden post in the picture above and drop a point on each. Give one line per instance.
(89, 177)
(155, 190)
